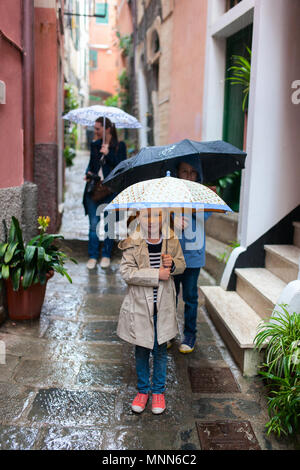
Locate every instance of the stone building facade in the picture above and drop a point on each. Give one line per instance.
(169, 57)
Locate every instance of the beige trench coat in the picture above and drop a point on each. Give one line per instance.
(136, 315)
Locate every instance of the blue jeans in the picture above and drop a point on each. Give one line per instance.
(160, 358)
(93, 244)
(189, 279)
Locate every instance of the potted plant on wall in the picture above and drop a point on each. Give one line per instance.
(26, 269)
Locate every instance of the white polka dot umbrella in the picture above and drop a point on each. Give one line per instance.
(168, 192)
(88, 115)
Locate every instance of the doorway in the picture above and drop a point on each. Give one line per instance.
(234, 117)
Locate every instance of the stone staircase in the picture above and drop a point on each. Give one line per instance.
(221, 230)
(236, 314)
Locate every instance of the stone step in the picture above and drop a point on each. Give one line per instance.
(296, 233)
(283, 261)
(214, 249)
(237, 324)
(222, 227)
(259, 288)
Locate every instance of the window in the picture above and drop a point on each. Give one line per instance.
(93, 59)
(155, 46)
(231, 3)
(101, 9)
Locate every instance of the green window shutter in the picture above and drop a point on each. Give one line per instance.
(102, 9)
(93, 59)
(233, 118)
(77, 27)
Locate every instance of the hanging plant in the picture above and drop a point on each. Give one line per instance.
(241, 71)
(70, 129)
(125, 44)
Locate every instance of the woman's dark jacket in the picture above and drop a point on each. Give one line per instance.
(112, 159)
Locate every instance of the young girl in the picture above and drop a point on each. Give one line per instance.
(148, 312)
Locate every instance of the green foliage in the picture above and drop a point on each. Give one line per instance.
(241, 71)
(28, 264)
(70, 129)
(69, 154)
(125, 44)
(124, 80)
(281, 336)
(224, 257)
(70, 101)
(123, 92)
(228, 188)
(227, 180)
(112, 100)
(284, 404)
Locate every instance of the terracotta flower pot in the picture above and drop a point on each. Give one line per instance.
(26, 304)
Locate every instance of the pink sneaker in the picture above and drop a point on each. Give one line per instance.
(139, 403)
(158, 403)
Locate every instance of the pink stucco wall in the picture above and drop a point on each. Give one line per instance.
(105, 77)
(188, 59)
(125, 27)
(46, 51)
(124, 18)
(11, 118)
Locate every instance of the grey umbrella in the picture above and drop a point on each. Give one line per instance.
(213, 160)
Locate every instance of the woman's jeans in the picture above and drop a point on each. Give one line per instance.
(93, 244)
(189, 280)
(160, 358)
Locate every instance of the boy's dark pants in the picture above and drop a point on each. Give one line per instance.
(189, 280)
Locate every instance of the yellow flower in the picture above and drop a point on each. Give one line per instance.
(43, 222)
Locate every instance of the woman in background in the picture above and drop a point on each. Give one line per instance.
(103, 159)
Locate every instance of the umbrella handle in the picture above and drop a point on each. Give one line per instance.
(103, 139)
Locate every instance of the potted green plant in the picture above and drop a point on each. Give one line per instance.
(26, 268)
(281, 370)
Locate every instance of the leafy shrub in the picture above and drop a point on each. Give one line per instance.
(281, 369)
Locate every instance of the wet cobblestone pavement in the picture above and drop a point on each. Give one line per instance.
(68, 380)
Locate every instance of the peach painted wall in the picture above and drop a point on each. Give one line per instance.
(187, 80)
(11, 113)
(124, 19)
(46, 50)
(105, 77)
(125, 27)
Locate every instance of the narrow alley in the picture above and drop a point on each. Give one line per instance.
(184, 105)
(68, 381)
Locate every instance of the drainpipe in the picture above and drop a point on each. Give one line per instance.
(134, 24)
(28, 87)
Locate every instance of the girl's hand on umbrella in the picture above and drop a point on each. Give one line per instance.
(164, 273)
(104, 149)
(167, 260)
